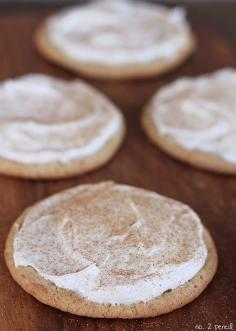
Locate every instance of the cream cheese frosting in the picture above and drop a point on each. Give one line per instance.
(200, 113)
(111, 243)
(44, 119)
(119, 32)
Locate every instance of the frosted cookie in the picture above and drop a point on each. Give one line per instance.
(109, 250)
(51, 128)
(117, 39)
(194, 120)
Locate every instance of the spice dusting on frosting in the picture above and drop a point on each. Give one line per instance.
(112, 243)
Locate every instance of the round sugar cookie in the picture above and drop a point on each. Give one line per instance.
(50, 128)
(194, 120)
(111, 250)
(116, 39)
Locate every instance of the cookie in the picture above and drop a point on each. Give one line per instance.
(111, 250)
(50, 128)
(117, 39)
(194, 120)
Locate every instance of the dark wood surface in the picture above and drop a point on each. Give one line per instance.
(137, 163)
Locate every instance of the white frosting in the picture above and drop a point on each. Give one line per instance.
(44, 119)
(114, 32)
(112, 243)
(200, 113)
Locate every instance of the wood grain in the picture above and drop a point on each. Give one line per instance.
(138, 163)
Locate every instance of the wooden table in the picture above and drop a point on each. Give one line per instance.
(137, 163)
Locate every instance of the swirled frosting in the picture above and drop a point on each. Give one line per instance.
(111, 243)
(119, 32)
(200, 113)
(44, 119)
